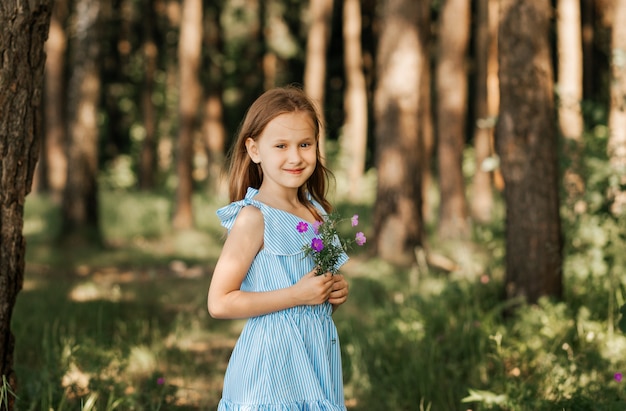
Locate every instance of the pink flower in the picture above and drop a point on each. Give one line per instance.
(302, 227)
(317, 244)
(618, 376)
(160, 381)
(316, 227)
(360, 238)
(355, 220)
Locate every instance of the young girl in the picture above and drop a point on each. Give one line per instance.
(288, 355)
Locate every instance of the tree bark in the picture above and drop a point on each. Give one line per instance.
(451, 83)
(570, 92)
(427, 128)
(189, 51)
(482, 190)
(526, 141)
(54, 155)
(401, 52)
(493, 84)
(320, 13)
(214, 130)
(80, 198)
(23, 31)
(617, 114)
(355, 100)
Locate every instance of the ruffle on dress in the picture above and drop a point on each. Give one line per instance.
(225, 405)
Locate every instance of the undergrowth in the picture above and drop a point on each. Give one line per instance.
(126, 327)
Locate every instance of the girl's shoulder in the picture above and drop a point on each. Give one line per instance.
(279, 228)
(229, 213)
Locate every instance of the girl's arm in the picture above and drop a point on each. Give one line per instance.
(225, 298)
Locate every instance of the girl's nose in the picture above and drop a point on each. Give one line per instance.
(294, 155)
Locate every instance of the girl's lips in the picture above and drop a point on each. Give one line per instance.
(295, 171)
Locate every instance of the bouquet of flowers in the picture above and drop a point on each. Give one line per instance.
(327, 245)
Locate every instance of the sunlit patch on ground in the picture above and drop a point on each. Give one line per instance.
(75, 381)
(90, 291)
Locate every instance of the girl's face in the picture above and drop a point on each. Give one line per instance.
(286, 150)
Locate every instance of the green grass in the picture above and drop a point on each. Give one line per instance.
(126, 327)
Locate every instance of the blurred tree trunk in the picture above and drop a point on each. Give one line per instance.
(213, 127)
(23, 31)
(249, 49)
(493, 87)
(320, 15)
(147, 159)
(526, 140)
(597, 19)
(115, 34)
(570, 93)
(617, 114)
(426, 131)
(168, 20)
(355, 100)
(398, 223)
(80, 198)
(482, 190)
(54, 155)
(189, 52)
(587, 16)
(269, 59)
(451, 83)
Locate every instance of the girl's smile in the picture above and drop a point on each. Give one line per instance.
(295, 171)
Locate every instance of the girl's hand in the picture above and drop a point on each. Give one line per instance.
(339, 293)
(313, 289)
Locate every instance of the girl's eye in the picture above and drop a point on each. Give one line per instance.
(305, 145)
(280, 146)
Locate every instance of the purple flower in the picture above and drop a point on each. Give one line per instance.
(316, 227)
(360, 238)
(302, 227)
(355, 220)
(160, 381)
(317, 244)
(618, 376)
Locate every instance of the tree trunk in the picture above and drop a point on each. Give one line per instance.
(426, 122)
(23, 31)
(451, 83)
(54, 155)
(570, 83)
(355, 100)
(401, 52)
(80, 198)
(269, 59)
(147, 159)
(320, 14)
(189, 51)
(213, 127)
(482, 191)
(587, 16)
(526, 141)
(617, 115)
(493, 84)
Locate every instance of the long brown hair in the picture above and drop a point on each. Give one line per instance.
(244, 173)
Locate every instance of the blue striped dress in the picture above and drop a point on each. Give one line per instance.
(287, 360)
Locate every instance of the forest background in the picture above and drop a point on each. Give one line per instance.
(482, 143)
